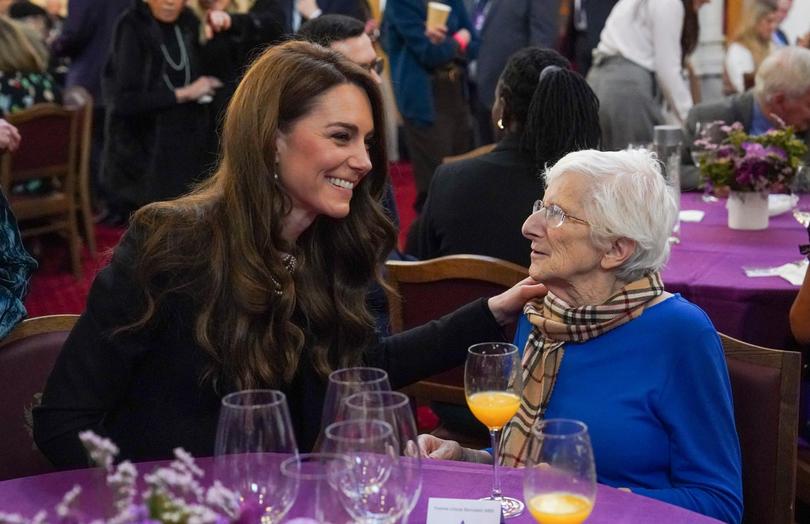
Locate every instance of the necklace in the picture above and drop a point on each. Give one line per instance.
(182, 65)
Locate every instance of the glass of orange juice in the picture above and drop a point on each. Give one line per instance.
(560, 480)
(493, 383)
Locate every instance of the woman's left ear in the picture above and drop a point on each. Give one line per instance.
(620, 250)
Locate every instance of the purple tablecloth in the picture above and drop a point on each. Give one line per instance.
(440, 479)
(706, 268)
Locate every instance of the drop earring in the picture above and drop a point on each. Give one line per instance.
(499, 123)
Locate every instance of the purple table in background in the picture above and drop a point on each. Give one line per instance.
(706, 268)
(440, 479)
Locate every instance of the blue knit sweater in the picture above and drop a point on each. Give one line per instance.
(656, 397)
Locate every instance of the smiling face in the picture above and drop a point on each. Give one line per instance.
(563, 256)
(166, 11)
(324, 155)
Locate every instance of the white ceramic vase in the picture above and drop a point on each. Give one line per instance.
(747, 210)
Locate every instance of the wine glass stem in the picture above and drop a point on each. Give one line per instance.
(496, 480)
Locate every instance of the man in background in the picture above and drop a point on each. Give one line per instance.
(780, 97)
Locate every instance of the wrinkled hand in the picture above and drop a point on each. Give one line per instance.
(307, 8)
(9, 136)
(438, 448)
(507, 306)
(215, 22)
(436, 34)
(203, 86)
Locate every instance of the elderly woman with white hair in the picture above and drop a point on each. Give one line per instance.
(643, 368)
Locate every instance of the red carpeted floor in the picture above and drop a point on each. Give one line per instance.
(54, 290)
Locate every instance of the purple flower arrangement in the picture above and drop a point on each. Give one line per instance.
(730, 158)
(174, 494)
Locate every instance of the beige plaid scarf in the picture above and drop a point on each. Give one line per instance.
(556, 323)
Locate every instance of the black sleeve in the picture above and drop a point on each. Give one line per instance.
(423, 242)
(128, 78)
(93, 368)
(434, 347)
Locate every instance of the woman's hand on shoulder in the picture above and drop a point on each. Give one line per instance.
(507, 306)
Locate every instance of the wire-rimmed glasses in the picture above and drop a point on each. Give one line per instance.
(554, 215)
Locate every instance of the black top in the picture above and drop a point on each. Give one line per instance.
(155, 147)
(477, 206)
(143, 389)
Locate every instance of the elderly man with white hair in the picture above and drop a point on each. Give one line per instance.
(643, 368)
(780, 97)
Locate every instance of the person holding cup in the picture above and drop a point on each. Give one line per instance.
(429, 44)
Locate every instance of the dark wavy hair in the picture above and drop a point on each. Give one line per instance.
(555, 107)
(221, 246)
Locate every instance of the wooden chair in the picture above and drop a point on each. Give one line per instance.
(27, 356)
(765, 387)
(79, 99)
(426, 290)
(48, 150)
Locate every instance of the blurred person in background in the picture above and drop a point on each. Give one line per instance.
(428, 67)
(751, 45)
(24, 76)
(234, 33)
(477, 205)
(585, 23)
(85, 41)
(504, 28)
(16, 265)
(158, 128)
(780, 97)
(638, 68)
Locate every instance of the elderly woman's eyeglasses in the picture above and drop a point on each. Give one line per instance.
(377, 65)
(554, 215)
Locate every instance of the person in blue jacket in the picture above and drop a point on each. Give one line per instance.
(428, 75)
(643, 368)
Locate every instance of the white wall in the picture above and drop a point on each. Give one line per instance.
(798, 20)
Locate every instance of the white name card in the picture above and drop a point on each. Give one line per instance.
(463, 511)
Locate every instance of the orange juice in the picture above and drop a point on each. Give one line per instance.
(559, 508)
(493, 408)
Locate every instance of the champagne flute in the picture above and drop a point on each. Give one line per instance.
(318, 475)
(373, 491)
(493, 385)
(394, 408)
(254, 435)
(346, 382)
(560, 479)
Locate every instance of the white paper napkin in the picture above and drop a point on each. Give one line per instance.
(691, 215)
(793, 272)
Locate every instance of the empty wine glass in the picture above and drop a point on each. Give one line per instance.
(373, 491)
(346, 382)
(254, 436)
(560, 478)
(318, 476)
(394, 408)
(493, 385)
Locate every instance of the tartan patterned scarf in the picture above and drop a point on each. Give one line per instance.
(555, 323)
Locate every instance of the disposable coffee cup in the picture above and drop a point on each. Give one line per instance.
(437, 14)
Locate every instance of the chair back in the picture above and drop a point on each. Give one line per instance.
(27, 356)
(765, 387)
(426, 290)
(48, 150)
(79, 99)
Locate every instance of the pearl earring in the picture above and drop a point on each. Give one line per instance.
(500, 123)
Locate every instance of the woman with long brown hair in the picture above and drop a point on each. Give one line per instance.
(256, 279)
(638, 68)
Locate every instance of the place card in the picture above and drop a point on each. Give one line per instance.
(463, 511)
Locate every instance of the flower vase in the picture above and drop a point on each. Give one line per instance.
(747, 210)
